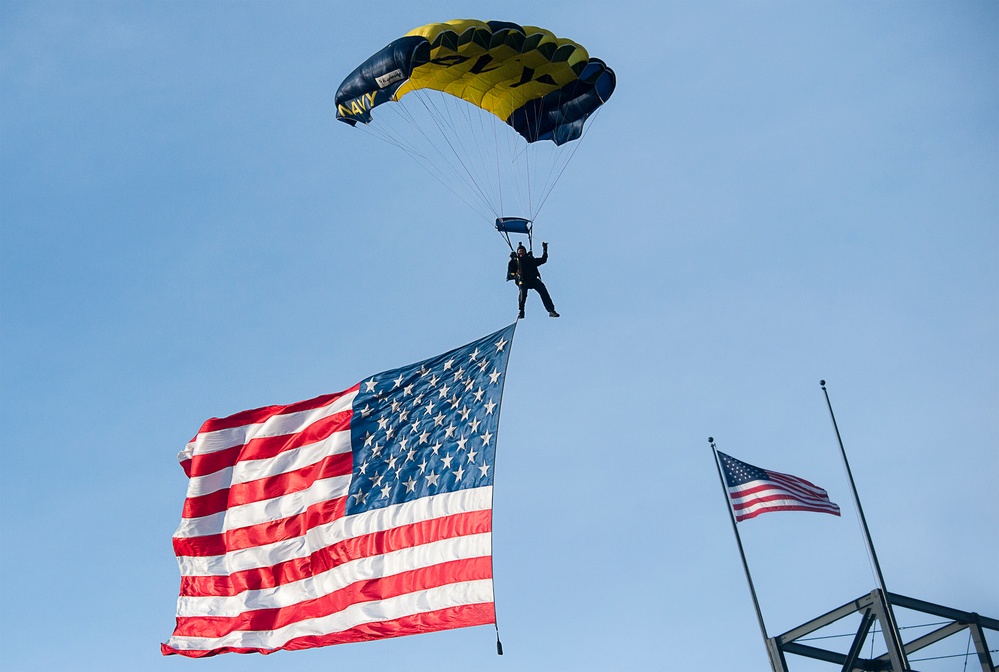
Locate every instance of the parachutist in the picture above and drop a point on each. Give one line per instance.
(523, 268)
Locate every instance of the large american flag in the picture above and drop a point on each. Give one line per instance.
(754, 491)
(349, 517)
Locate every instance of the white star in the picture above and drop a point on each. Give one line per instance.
(439, 419)
(469, 383)
(397, 381)
(395, 405)
(389, 433)
(386, 490)
(417, 400)
(433, 380)
(432, 478)
(411, 454)
(478, 394)
(424, 371)
(500, 344)
(484, 468)
(455, 400)
(359, 498)
(403, 415)
(474, 425)
(424, 435)
(489, 407)
(448, 364)
(370, 385)
(449, 430)
(474, 355)
(364, 467)
(435, 447)
(391, 463)
(471, 455)
(377, 480)
(382, 422)
(423, 466)
(376, 450)
(402, 444)
(483, 364)
(459, 373)
(461, 443)
(443, 393)
(368, 438)
(408, 390)
(366, 411)
(494, 376)
(414, 427)
(429, 407)
(410, 485)
(460, 473)
(465, 410)
(486, 438)
(447, 461)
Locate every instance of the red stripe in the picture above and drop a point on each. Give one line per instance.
(779, 494)
(431, 621)
(268, 487)
(376, 543)
(369, 590)
(267, 446)
(317, 514)
(768, 509)
(258, 415)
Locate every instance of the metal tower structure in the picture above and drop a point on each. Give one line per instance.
(874, 608)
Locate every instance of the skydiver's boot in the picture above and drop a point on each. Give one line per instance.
(520, 315)
(552, 313)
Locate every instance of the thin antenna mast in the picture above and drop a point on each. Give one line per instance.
(742, 554)
(893, 640)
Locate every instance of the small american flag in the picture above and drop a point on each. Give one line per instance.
(754, 491)
(353, 516)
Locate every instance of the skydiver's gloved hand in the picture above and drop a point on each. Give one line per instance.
(544, 246)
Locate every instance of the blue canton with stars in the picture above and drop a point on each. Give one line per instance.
(430, 427)
(738, 472)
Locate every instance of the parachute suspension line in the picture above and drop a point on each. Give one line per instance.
(565, 164)
(381, 132)
(403, 114)
(475, 122)
(499, 180)
(437, 119)
(458, 120)
(444, 110)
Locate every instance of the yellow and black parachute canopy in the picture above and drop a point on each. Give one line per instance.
(542, 85)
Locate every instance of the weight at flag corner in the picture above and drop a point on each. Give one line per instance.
(349, 517)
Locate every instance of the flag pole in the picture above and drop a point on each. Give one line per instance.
(742, 553)
(892, 629)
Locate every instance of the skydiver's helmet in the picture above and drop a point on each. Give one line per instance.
(521, 249)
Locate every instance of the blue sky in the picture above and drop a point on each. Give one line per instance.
(777, 193)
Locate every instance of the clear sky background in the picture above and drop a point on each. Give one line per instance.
(777, 193)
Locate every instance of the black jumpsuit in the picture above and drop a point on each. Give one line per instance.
(525, 270)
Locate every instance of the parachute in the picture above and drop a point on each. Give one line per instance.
(493, 109)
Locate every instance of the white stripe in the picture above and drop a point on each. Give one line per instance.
(754, 505)
(324, 583)
(783, 498)
(266, 510)
(771, 487)
(348, 527)
(282, 463)
(442, 597)
(797, 485)
(276, 425)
